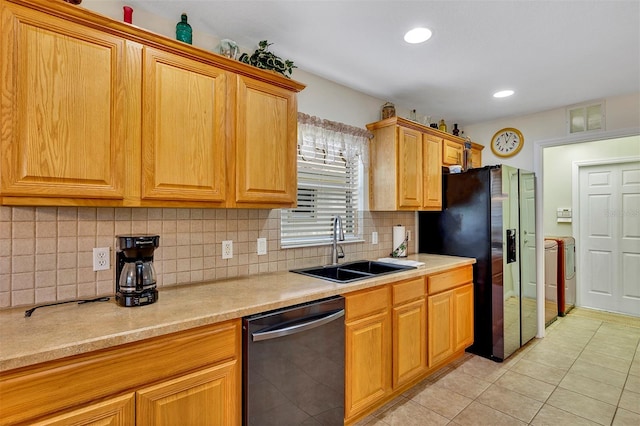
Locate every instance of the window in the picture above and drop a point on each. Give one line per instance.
(331, 157)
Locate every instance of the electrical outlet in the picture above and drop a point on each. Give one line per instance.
(408, 235)
(262, 246)
(101, 259)
(374, 238)
(227, 249)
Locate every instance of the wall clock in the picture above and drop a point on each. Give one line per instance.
(507, 142)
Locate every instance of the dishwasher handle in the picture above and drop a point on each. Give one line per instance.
(297, 328)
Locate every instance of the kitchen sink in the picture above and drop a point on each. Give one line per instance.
(352, 271)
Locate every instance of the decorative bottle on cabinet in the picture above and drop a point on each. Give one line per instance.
(455, 130)
(183, 30)
(128, 14)
(443, 126)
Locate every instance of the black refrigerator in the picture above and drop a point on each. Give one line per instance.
(489, 214)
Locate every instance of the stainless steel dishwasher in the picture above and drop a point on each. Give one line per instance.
(293, 365)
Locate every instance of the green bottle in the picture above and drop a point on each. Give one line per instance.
(183, 30)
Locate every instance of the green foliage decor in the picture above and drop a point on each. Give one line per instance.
(266, 60)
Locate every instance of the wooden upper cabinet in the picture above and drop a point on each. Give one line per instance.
(452, 152)
(406, 166)
(409, 168)
(431, 172)
(266, 140)
(476, 157)
(98, 112)
(183, 129)
(62, 110)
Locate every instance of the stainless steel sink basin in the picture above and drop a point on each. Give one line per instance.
(352, 271)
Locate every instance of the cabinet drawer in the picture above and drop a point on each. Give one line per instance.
(366, 302)
(450, 279)
(407, 291)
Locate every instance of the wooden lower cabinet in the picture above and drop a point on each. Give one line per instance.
(367, 350)
(397, 334)
(409, 332)
(117, 411)
(191, 377)
(206, 397)
(440, 329)
(449, 313)
(463, 317)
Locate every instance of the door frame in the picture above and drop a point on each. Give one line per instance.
(575, 205)
(538, 147)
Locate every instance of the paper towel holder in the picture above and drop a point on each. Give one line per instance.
(400, 241)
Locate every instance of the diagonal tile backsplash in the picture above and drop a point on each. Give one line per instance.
(46, 252)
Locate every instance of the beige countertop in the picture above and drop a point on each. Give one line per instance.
(59, 331)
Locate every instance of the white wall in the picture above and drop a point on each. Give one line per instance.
(622, 112)
(557, 177)
(331, 101)
(321, 97)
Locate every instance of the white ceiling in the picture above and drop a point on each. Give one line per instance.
(552, 53)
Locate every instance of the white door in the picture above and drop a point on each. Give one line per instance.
(528, 234)
(609, 222)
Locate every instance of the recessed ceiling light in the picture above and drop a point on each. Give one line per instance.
(503, 94)
(417, 35)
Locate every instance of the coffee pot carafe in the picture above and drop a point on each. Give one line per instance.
(135, 274)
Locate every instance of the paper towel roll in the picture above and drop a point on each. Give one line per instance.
(399, 241)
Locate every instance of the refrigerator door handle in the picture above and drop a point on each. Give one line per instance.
(511, 245)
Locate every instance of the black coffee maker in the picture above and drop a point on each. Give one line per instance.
(135, 274)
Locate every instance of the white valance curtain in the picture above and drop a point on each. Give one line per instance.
(332, 139)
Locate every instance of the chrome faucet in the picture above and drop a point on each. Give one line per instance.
(338, 235)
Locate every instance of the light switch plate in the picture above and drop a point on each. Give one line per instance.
(262, 246)
(374, 237)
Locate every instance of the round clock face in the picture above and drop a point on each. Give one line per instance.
(507, 142)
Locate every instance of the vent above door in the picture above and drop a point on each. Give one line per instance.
(586, 118)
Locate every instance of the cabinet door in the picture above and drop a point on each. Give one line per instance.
(432, 172)
(207, 397)
(409, 341)
(440, 327)
(451, 152)
(118, 411)
(266, 140)
(183, 131)
(409, 169)
(367, 356)
(463, 309)
(476, 158)
(62, 112)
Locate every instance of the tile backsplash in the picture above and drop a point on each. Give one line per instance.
(46, 252)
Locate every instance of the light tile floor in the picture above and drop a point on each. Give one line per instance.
(586, 371)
